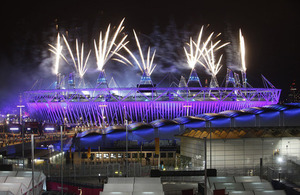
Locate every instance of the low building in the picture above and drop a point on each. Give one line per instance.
(268, 137)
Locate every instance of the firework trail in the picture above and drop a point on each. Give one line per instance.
(80, 64)
(210, 62)
(195, 49)
(107, 45)
(145, 66)
(243, 62)
(242, 50)
(57, 51)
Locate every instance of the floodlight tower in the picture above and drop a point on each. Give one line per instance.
(194, 80)
(145, 79)
(58, 80)
(71, 81)
(101, 81)
(22, 129)
(229, 78)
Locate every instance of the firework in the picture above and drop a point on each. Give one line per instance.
(242, 50)
(195, 49)
(146, 66)
(80, 64)
(211, 64)
(107, 45)
(57, 51)
(243, 62)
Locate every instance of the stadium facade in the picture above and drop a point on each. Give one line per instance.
(110, 106)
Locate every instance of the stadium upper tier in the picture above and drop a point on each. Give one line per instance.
(109, 106)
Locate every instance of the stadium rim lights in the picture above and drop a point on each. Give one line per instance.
(49, 129)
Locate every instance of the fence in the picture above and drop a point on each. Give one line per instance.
(107, 169)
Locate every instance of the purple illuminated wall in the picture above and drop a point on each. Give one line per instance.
(114, 105)
(113, 112)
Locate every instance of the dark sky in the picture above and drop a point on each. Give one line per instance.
(271, 31)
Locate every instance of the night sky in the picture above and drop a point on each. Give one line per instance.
(271, 31)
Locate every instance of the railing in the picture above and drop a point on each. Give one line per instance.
(153, 94)
(106, 169)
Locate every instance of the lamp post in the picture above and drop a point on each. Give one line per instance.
(22, 132)
(187, 109)
(102, 106)
(62, 151)
(62, 156)
(32, 161)
(205, 167)
(126, 141)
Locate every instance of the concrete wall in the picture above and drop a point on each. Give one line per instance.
(239, 153)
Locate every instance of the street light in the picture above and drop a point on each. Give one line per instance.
(102, 106)
(187, 109)
(22, 132)
(126, 127)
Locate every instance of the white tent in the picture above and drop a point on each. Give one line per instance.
(124, 180)
(247, 179)
(148, 193)
(115, 193)
(241, 193)
(6, 193)
(113, 187)
(229, 186)
(8, 173)
(20, 182)
(147, 180)
(131, 185)
(212, 180)
(147, 187)
(259, 186)
(268, 192)
(14, 188)
(3, 179)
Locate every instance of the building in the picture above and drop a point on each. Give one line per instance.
(240, 143)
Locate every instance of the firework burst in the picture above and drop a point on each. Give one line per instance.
(242, 51)
(80, 64)
(195, 50)
(107, 45)
(145, 65)
(58, 53)
(211, 64)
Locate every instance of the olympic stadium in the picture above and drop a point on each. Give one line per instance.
(72, 101)
(104, 105)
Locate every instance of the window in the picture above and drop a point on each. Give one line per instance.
(113, 155)
(98, 155)
(105, 155)
(163, 155)
(149, 155)
(170, 155)
(142, 155)
(120, 155)
(134, 155)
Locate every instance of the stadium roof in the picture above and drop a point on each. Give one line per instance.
(199, 118)
(242, 132)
